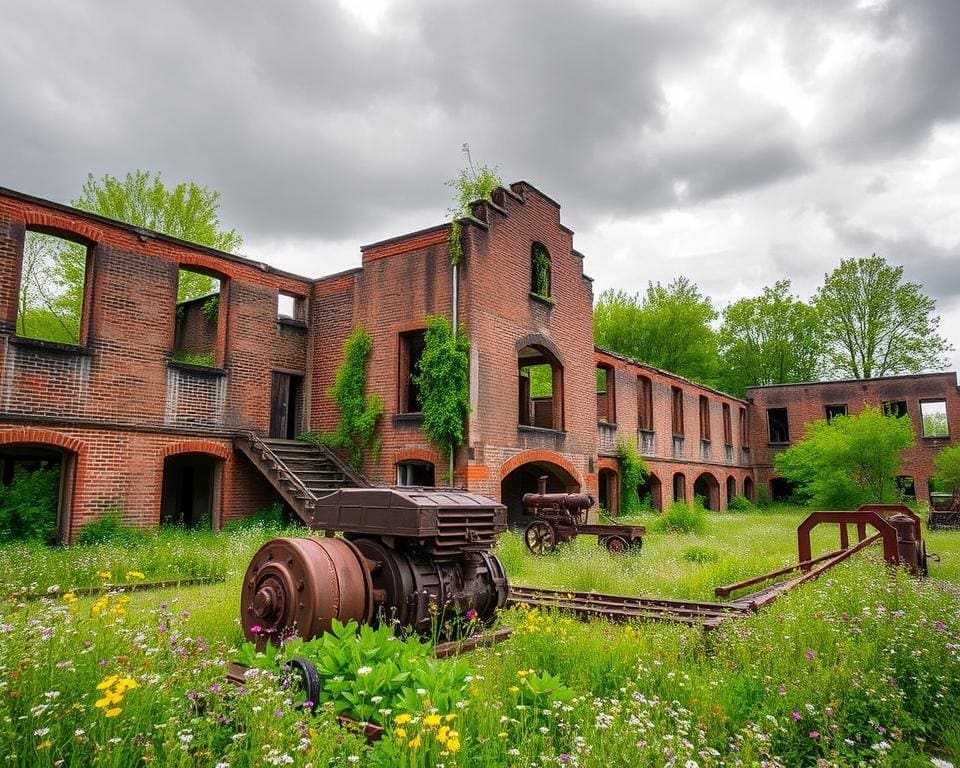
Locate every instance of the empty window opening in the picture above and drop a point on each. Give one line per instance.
(744, 429)
(748, 488)
(727, 425)
(50, 305)
(412, 344)
(676, 399)
(286, 405)
(416, 473)
(679, 487)
(781, 489)
(190, 490)
(645, 403)
(198, 319)
(33, 494)
(704, 418)
(906, 488)
(777, 424)
(540, 389)
(290, 307)
(608, 488)
(896, 408)
(836, 410)
(606, 394)
(933, 415)
(706, 489)
(540, 271)
(731, 488)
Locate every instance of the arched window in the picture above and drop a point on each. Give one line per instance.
(540, 271)
(417, 473)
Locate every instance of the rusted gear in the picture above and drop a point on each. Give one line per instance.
(300, 585)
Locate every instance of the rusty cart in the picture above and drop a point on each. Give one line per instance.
(944, 510)
(560, 517)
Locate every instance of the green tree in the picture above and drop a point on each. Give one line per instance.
(874, 324)
(849, 460)
(443, 376)
(769, 339)
(359, 413)
(47, 306)
(947, 463)
(668, 327)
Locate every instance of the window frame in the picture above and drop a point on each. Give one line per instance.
(223, 304)
(786, 424)
(405, 369)
(536, 246)
(946, 416)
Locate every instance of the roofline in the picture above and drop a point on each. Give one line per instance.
(669, 374)
(827, 382)
(405, 236)
(152, 233)
(526, 183)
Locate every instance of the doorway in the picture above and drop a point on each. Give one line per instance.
(285, 405)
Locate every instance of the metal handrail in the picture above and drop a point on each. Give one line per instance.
(282, 470)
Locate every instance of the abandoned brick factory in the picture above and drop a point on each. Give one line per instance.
(137, 426)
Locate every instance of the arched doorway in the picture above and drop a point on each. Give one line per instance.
(748, 488)
(707, 488)
(191, 490)
(731, 488)
(36, 482)
(650, 492)
(609, 489)
(679, 487)
(524, 479)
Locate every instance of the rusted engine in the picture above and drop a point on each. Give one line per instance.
(418, 558)
(559, 517)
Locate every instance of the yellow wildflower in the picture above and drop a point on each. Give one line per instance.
(107, 682)
(400, 733)
(514, 689)
(112, 712)
(450, 718)
(453, 744)
(45, 744)
(70, 597)
(503, 734)
(136, 575)
(522, 673)
(442, 733)
(104, 702)
(105, 575)
(432, 721)
(414, 743)
(402, 719)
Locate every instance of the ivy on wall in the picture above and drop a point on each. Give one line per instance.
(633, 470)
(443, 376)
(356, 432)
(541, 271)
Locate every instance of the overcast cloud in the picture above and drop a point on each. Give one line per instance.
(735, 142)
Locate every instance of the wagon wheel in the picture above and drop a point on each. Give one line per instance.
(540, 537)
(617, 544)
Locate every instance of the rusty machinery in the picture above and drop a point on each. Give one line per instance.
(944, 510)
(559, 517)
(416, 557)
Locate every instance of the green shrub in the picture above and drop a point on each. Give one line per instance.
(740, 504)
(632, 471)
(273, 516)
(763, 496)
(108, 529)
(28, 506)
(680, 517)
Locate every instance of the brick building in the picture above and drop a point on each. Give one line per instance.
(184, 410)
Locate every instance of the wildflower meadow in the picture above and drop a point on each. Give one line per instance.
(860, 668)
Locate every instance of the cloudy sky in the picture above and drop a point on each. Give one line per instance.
(734, 142)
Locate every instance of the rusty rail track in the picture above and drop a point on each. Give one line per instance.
(136, 586)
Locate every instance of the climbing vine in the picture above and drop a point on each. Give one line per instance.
(359, 413)
(541, 271)
(472, 183)
(633, 469)
(443, 377)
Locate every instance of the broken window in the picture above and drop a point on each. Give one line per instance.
(704, 418)
(676, 399)
(540, 389)
(896, 408)
(416, 473)
(777, 424)
(836, 410)
(606, 394)
(727, 425)
(933, 415)
(290, 307)
(412, 344)
(644, 403)
(540, 271)
(196, 335)
(53, 277)
(906, 487)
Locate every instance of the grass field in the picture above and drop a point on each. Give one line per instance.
(860, 668)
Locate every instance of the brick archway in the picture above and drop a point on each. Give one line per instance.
(521, 474)
(72, 470)
(416, 454)
(43, 221)
(220, 479)
(535, 455)
(196, 446)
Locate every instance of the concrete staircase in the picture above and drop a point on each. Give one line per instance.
(300, 472)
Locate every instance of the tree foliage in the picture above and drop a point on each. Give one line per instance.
(51, 289)
(769, 339)
(443, 376)
(359, 412)
(28, 506)
(874, 324)
(947, 463)
(849, 460)
(471, 184)
(667, 327)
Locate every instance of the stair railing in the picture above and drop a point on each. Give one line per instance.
(282, 470)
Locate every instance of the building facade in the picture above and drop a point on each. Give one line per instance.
(150, 406)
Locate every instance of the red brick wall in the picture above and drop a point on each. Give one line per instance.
(807, 402)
